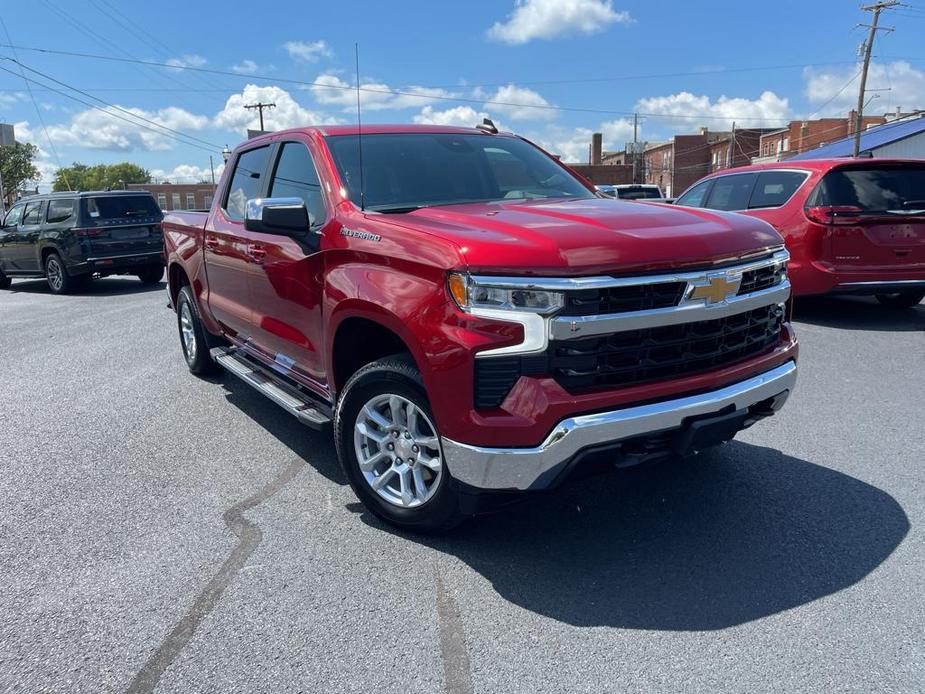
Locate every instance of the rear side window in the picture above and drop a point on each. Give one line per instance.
(121, 207)
(774, 188)
(873, 189)
(731, 192)
(33, 213)
(694, 197)
(59, 210)
(296, 177)
(245, 181)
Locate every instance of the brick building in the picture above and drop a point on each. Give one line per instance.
(737, 149)
(179, 196)
(677, 164)
(802, 135)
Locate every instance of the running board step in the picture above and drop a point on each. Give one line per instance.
(294, 402)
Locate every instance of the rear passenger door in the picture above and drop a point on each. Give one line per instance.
(286, 287)
(228, 258)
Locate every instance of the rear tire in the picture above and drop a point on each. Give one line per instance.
(194, 339)
(901, 299)
(59, 281)
(384, 417)
(152, 274)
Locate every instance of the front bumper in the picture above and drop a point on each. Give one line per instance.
(539, 467)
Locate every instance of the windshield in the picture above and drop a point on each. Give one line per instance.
(639, 193)
(405, 171)
(874, 189)
(121, 206)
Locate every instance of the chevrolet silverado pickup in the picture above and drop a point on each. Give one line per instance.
(470, 317)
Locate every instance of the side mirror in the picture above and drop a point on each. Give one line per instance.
(285, 216)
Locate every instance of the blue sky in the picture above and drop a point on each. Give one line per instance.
(597, 61)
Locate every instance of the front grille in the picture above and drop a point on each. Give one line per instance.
(762, 278)
(638, 297)
(639, 356)
(635, 356)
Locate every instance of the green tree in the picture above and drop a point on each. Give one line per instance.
(17, 167)
(99, 176)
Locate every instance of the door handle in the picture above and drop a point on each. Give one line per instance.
(256, 252)
(211, 243)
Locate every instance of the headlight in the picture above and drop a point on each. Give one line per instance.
(472, 295)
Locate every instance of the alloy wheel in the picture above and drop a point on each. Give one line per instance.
(187, 332)
(55, 276)
(398, 450)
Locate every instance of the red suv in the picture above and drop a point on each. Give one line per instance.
(852, 226)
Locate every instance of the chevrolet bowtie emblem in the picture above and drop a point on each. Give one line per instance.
(718, 288)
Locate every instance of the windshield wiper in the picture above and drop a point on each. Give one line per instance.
(398, 209)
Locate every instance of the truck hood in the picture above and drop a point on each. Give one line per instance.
(573, 237)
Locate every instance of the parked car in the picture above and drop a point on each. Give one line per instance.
(606, 189)
(852, 226)
(638, 191)
(69, 238)
(471, 316)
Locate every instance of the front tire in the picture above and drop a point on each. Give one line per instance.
(59, 281)
(390, 449)
(193, 337)
(901, 299)
(152, 274)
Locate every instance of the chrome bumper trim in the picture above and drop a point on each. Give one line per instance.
(522, 468)
(884, 283)
(577, 327)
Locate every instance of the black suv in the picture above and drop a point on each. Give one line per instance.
(69, 238)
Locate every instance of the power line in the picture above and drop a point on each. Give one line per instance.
(394, 92)
(115, 115)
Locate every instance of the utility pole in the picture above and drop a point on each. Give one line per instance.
(876, 8)
(732, 141)
(2, 197)
(635, 148)
(212, 166)
(259, 106)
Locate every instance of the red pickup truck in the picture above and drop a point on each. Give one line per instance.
(471, 316)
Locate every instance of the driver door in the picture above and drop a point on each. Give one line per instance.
(286, 287)
(8, 238)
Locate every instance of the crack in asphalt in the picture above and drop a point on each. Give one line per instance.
(249, 536)
(457, 671)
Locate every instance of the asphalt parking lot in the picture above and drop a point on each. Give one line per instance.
(162, 532)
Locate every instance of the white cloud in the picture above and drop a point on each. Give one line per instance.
(245, 67)
(7, 100)
(572, 145)
(683, 109)
(547, 19)
(459, 116)
(191, 60)
(287, 114)
(96, 129)
(512, 94)
(308, 52)
(906, 85)
(187, 173)
(42, 160)
(331, 90)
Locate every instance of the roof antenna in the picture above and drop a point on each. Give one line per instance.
(488, 126)
(356, 50)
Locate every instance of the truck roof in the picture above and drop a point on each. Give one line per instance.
(375, 129)
(83, 193)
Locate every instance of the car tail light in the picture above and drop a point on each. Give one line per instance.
(834, 214)
(89, 231)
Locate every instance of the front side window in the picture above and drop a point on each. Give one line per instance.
(774, 188)
(405, 171)
(59, 210)
(296, 177)
(13, 216)
(245, 181)
(694, 197)
(33, 213)
(731, 192)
